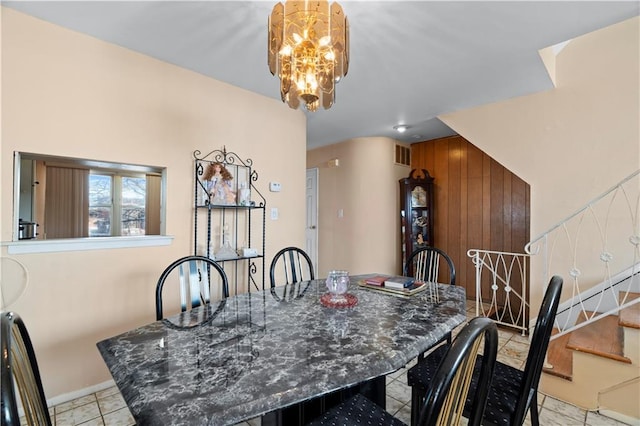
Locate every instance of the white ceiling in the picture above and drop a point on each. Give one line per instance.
(410, 60)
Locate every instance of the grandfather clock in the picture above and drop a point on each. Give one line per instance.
(416, 212)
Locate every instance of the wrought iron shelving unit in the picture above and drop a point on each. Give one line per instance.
(232, 222)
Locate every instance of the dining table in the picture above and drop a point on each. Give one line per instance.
(275, 353)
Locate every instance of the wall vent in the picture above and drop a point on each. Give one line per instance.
(403, 155)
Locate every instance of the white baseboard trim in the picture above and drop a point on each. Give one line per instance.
(619, 416)
(66, 397)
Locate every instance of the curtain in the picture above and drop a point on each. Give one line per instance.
(66, 207)
(152, 205)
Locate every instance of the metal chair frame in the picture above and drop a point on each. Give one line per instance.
(195, 282)
(427, 260)
(292, 260)
(19, 366)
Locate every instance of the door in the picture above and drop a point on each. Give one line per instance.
(311, 233)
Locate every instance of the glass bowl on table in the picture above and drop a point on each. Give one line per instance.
(337, 296)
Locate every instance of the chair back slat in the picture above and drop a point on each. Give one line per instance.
(454, 402)
(205, 273)
(293, 265)
(184, 288)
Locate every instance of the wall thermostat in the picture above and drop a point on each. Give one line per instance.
(274, 186)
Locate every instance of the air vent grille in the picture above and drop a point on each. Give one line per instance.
(403, 155)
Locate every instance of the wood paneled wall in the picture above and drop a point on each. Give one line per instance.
(478, 203)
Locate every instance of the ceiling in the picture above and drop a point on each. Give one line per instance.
(410, 60)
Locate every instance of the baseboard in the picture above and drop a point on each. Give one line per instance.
(66, 397)
(619, 416)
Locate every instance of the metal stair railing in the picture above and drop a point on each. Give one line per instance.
(597, 251)
(505, 275)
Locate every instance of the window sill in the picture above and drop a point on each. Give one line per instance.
(95, 243)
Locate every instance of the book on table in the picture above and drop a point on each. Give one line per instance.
(378, 280)
(398, 282)
(369, 283)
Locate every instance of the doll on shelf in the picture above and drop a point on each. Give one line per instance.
(217, 180)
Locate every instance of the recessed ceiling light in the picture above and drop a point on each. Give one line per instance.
(401, 128)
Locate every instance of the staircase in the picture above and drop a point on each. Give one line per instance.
(593, 359)
(598, 366)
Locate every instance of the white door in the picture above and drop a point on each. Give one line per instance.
(311, 246)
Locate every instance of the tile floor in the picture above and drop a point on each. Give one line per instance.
(108, 408)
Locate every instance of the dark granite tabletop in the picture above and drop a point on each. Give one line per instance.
(259, 352)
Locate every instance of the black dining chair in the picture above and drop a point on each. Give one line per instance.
(513, 392)
(192, 276)
(431, 265)
(20, 368)
(290, 265)
(448, 387)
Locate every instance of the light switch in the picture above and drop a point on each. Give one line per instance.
(274, 213)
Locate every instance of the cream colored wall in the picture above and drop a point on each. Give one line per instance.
(573, 142)
(67, 94)
(365, 186)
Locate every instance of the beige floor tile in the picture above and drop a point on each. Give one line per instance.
(75, 403)
(515, 350)
(107, 392)
(393, 405)
(399, 390)
(576, 414)
(391, 377)
(552, 418)
(111, 403)
(404, 414)
(98, 421)
(78, 415)
(506, 332)
(518, 337)
(121, 417)
(506, 359)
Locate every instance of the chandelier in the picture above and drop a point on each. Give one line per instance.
(309, 51)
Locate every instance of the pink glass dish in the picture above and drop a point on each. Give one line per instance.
(346, 300)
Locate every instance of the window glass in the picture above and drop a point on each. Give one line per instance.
(134, 195)
(100, 206)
